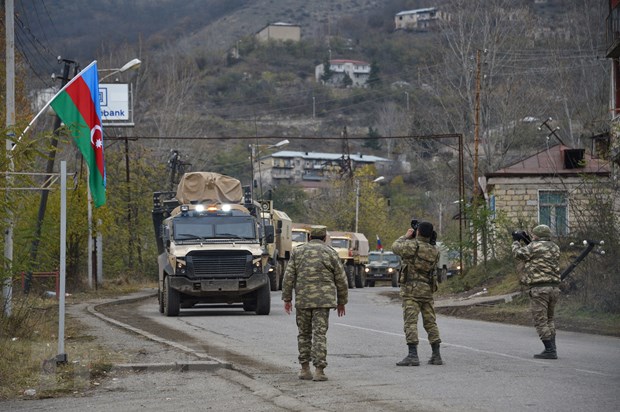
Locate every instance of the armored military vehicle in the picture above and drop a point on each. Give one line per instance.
(212, 245)
(382, 266)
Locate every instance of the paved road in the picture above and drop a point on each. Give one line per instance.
(489, 366)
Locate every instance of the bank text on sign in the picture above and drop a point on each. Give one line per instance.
(114, 102)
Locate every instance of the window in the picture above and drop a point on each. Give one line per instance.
(552, 211)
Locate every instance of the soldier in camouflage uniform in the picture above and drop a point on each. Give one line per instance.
(315, 273)
(541, 275)
(417, 285)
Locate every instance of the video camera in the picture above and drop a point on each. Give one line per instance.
(414, 225)
(521, 235)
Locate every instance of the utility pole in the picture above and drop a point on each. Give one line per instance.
(476, 140)
(9, 13)
(49, 169)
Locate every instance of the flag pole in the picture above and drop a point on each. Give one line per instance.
(90, 231)
(47, 105)
(61, 357)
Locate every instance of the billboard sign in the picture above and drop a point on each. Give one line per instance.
(115, 104)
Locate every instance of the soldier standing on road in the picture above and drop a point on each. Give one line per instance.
(417, 285)
(315, 273)
(541, 275)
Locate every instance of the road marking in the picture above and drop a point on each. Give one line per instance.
(505, 355)
(593, 372)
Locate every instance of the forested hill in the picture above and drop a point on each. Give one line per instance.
(79, 29)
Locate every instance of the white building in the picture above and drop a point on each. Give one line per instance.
(311, 169)
(357, 70)
(279, 32)
(418, 19)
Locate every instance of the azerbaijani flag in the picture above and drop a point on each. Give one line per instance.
(77, 105)
(379, 246)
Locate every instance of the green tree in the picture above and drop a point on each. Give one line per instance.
(373, 141)
(347, 81)
(327, 71)
(373, 78)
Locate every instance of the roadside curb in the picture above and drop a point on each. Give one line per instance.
(476, 300)
(210, 364)
(207, 363)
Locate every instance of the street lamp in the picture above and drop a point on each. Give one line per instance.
(357, 198)
(130, 65)
(255, 156)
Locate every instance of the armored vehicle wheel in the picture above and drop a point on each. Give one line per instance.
(172, 300)
(394, 280)
(263, 300)
(273, 278)
(360, 277)
(348, 269)
(371, 283)
(282, 271)
(160, 300)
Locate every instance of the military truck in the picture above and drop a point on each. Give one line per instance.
(352, 249)
(211, 245)
(300, 233)
(448, 263)
(382, 266)
(280, 249)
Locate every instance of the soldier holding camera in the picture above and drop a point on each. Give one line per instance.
(541, 274)
(417, 285)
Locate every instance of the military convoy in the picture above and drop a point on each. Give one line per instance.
(212, 245)
(217, 245)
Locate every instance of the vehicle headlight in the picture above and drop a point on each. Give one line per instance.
(390, 270)
(257, 267)
(181, 267)
(366, 270)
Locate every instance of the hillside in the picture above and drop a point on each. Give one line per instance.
(46, 29)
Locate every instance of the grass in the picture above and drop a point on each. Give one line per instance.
(499, 277)
(29, 345)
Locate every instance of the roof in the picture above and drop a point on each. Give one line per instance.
(281, 23)
(417, 11)
(343, 61)
(329, 156)
(550, 161)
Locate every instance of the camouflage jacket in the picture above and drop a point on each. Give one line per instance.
(315, 273)
(419, 263)
(542, 262)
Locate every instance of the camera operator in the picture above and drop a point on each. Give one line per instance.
(541, 274)
(417, 285)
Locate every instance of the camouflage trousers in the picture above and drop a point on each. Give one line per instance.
(312, 327)
(542, 306)
(411, 309)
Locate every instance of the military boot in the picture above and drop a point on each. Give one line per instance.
(305, 373)
(553, 344)
(548, 353)
(436, 356)
(319, 375)
(412, 358)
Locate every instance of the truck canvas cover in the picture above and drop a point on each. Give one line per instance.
(197, 187)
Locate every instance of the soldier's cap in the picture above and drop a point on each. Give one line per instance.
(425, 229)
(318, 231)
(542, 231)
